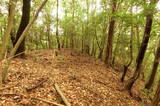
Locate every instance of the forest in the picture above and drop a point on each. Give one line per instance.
(79, 52)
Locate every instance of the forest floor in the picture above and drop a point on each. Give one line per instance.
(84, 80)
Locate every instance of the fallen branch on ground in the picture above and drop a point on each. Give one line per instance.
(47, 101)
(61, 95)
(36, 98)
(8, 87)
(36, 86)
(100, 82)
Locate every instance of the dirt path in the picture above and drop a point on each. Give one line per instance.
(84, 81)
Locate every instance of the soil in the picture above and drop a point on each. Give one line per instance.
(84, 81)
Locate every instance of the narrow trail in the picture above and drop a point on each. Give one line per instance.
(84, 80)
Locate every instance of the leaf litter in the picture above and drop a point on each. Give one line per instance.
(84, 80)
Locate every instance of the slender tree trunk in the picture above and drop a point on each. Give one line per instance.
(95, 38)
(82, 39)
(65, 30)
(100, 56)
(82, 44)
(154, 68)
(117, 44)
(23, 35)
(73, 26)
(13, 51)
(131, 56)
(24, 22)
(66, 42)
(49, 37)
(93, 47)
(108, 59)
(86, 36)
(13, 32)
(156, 99)
(98, 44)
(41, 39)
(57, 32)
(131, 53)
(5, 42)
(141, 54)
(138, 38)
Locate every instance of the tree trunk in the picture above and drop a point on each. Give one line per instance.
(24, 22)
(57, 31)
(49, 36)
(82, 45)
(73, 26)
(87, 37)
(131, 53)
(108, 59)
(156, 99)
(154, 68)
(5, 42)
(100, 56)
(117, 43)
(138, 38)
(93, 47)
(98, 44)
(141, 54)
(13, 51)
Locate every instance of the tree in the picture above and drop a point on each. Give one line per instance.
(72, 25)
(57, 35)
(154, 68)
(5, 42)
(13, 51)
(108, 59)
(24, 22)
(87, 36)
(126, 66)
(144, 44)
(156, 99)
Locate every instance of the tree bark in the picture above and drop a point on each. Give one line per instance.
(141, 54)
(57, 31)
(49, 36)
(156, 99)
(154, 68)
(131, 53)
(138, 37)
(5, 42)
(108, 59)
(86, 36)
(73, 26)
(13, 51)
(117, 43)
(24, 22)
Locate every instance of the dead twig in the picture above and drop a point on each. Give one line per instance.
(16, 55)
(9, 94)
(8, 87)
(36, 86)
(100, 82)
(36, 98)
(61, 95)
(47, 101)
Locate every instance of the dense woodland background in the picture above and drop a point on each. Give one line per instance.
(125, 34)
